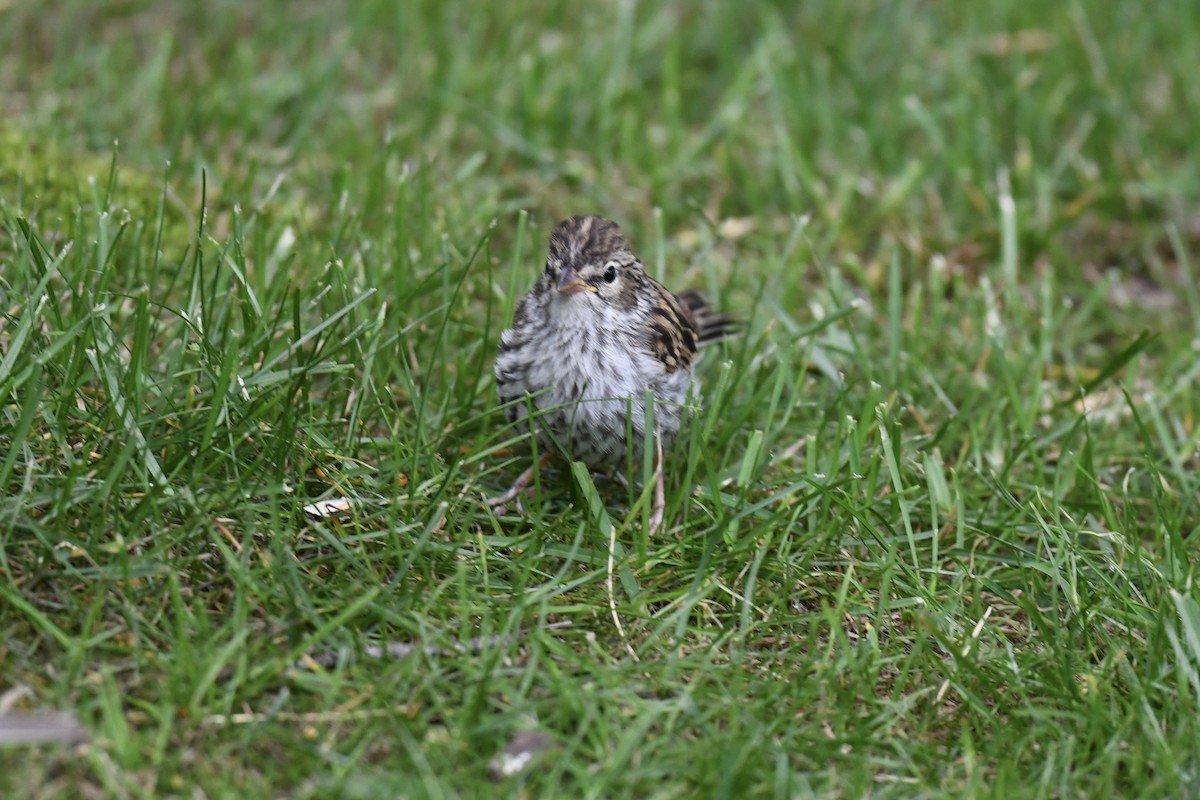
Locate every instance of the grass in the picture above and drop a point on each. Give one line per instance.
(932, 533)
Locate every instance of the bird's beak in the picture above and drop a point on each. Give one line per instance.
(570, 283)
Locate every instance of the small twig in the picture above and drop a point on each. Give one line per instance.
(40, 727)
(311, 717)
(234, 543)
(36, 727)
(399, 650)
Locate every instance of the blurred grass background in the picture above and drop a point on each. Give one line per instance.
(932, 535)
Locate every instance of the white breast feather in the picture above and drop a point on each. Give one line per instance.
(586, 388)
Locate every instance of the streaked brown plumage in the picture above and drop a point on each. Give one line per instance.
(593, 336)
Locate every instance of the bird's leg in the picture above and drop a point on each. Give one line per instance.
(660, 502)
(520, 487)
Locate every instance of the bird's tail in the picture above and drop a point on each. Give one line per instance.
(714, 325)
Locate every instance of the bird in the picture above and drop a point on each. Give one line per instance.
(589, 341)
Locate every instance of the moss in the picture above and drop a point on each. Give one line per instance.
(81, 198)
(42, 175)
(51, 186)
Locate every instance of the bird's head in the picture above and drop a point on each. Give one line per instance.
(589, 262)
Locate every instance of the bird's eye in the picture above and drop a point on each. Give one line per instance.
(610, 274)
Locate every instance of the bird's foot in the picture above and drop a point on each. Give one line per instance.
(519, 489)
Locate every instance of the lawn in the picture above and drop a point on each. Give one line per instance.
(931, 533)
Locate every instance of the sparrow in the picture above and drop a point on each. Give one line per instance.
(589, 341)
